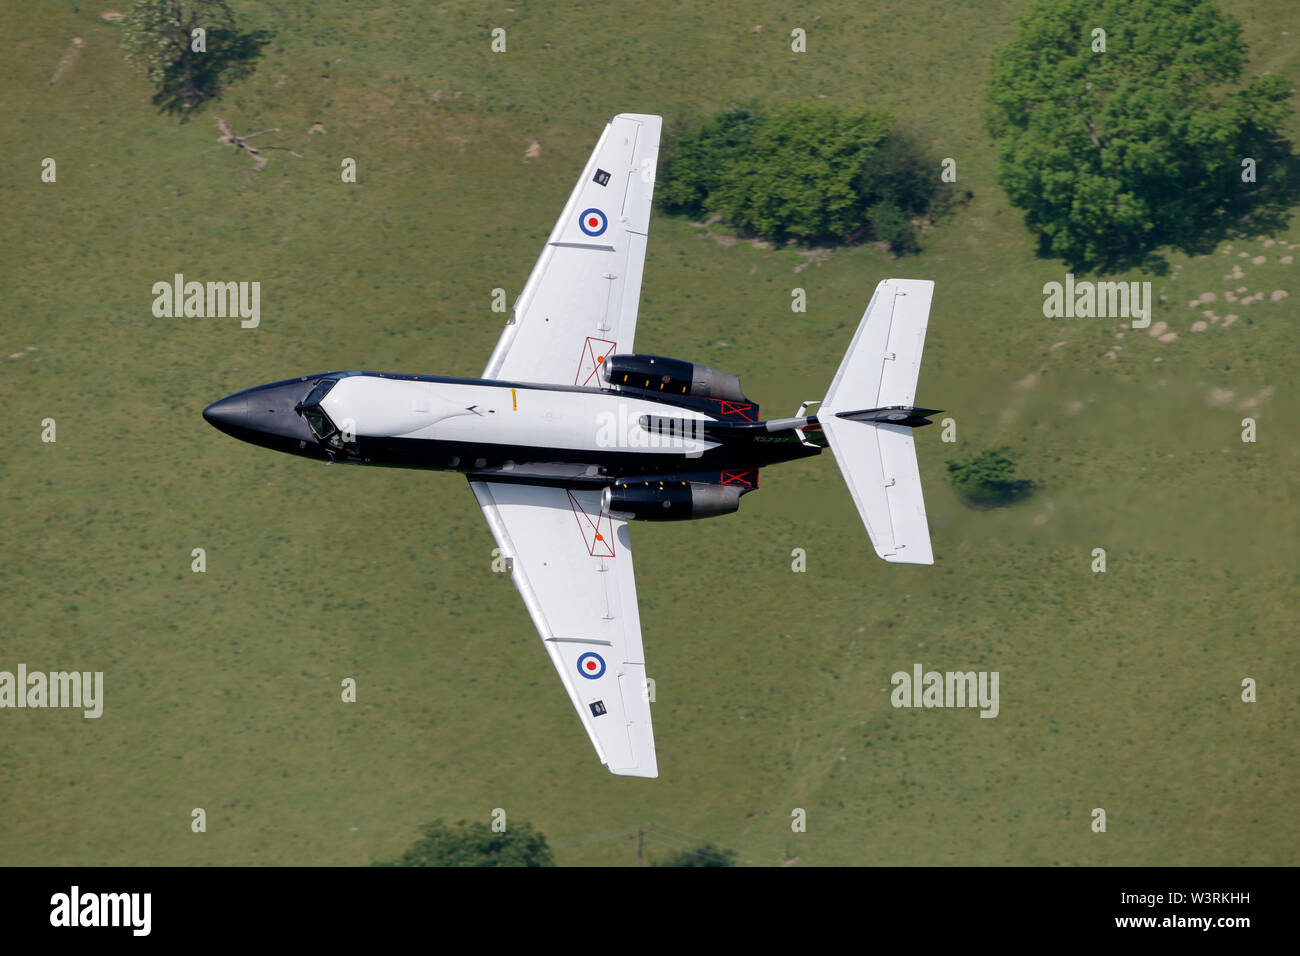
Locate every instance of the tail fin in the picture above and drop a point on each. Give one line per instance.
(868, 417)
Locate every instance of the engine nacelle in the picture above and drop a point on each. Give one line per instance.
(654, 373)
(671, 501)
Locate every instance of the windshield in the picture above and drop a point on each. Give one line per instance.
(319, 392)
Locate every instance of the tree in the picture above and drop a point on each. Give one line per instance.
(468, 844)
(706, 854)
(988, 480)
(810, 173)
(160, 40)
(1115, 144)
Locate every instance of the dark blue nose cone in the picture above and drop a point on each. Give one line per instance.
(230, 412)
(265, 415)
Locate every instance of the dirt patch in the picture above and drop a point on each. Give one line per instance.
(812, 257)
(68, 59)
(1253, 402)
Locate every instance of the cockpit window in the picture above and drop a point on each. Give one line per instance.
(320, 422)
(320, 391)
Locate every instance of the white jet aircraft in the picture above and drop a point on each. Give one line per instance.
(570, 434)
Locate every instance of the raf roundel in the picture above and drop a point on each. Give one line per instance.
(591, 665)
(592, 222)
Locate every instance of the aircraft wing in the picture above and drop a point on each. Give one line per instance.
(580, 302)
(572, 564)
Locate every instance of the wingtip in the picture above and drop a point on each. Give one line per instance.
(653, 120)
(649, 772)
(897, 558)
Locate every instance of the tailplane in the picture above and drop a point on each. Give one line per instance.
(868, 418)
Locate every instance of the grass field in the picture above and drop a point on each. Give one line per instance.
(1118, 690)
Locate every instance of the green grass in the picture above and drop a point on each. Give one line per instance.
(222, 689)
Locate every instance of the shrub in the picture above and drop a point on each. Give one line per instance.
(706, 854)
(987, 480)
(468, 844)
(810, 173)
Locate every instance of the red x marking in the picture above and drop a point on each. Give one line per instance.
(598, 532)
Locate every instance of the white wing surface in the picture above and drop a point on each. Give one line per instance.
(580, 302)
(572, 564)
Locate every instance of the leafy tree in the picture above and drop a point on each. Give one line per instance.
(159, 40)
(988, 480)
(476, 844)
(1112, 154)
(809, 173)
(706, 854)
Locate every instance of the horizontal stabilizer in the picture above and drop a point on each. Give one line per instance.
(868, 418)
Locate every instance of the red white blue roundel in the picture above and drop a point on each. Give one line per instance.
(592, 222)
(591, 665)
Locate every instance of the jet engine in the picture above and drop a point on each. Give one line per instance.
(671, 500)
(654, 373)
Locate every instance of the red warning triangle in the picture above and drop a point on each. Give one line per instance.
(597, 529)
(739, 409)
(594, 353)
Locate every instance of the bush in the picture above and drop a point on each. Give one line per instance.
(476, 845)
(890, 225)
(811, 173)
(987, 480)
(692, 170)
(706, 854)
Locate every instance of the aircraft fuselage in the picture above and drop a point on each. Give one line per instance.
(536, 434)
